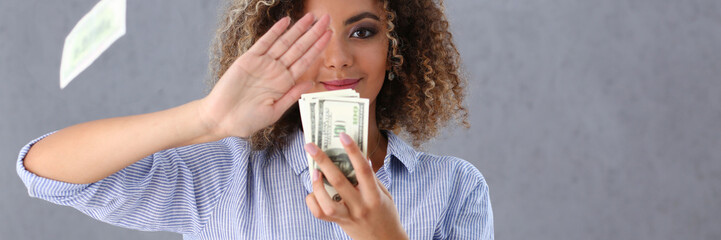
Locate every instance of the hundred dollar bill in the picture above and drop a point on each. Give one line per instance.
(90, 37)
(307, 102)
(307, 105)
(324, 116)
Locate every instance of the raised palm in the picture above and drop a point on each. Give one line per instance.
(262, 83)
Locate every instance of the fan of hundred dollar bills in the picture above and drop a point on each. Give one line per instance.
(324, 116)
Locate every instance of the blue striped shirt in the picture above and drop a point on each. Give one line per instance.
(223, 190)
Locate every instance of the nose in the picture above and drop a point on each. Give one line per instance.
(337, 55)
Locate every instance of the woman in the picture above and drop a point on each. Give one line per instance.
(232, 164)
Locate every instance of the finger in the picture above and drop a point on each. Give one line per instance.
(297, 50)
(292, 96)
(383, 188)
(267, 40)
(363, 170)
(335, 177)
(333, 210)
(314, 208)
(301, 65)
(284, 42)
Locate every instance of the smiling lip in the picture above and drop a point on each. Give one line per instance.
(340, 84)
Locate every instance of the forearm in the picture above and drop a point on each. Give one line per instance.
(251, 95)
(91, 151)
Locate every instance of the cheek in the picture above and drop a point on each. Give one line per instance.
(373, 60)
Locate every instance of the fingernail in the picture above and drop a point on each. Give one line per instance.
(345, 139)
(316, 175)
(310, 148)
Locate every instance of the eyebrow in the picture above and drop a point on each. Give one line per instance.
(361, 16)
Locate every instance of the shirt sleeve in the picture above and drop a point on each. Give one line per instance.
(468, 214)
(474, 219)
(172, 190)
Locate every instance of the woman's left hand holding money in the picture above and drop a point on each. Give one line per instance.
(367, 210)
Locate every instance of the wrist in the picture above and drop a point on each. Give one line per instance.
(199, 124)
(399, 234)
(206, 123)
(402, 235)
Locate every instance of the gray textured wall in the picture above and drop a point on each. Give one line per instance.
(591, 119)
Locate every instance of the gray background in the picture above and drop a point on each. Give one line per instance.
(591, 119)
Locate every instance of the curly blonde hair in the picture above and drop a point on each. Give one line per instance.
(426, 88)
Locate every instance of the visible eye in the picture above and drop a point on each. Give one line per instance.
(363, 32)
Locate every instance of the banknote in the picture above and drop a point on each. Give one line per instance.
(324, 116)
(308, 102)
(90, 37)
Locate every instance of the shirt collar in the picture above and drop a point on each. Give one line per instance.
(402, 151)
(295, 155)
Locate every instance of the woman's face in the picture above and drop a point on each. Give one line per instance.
(355, 57)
